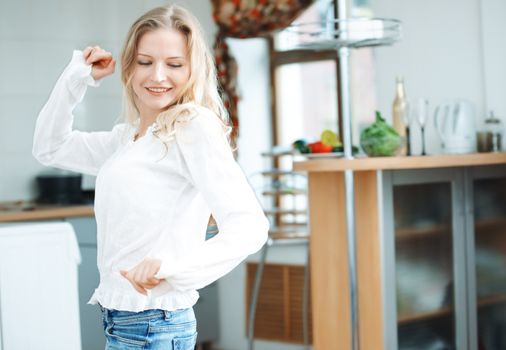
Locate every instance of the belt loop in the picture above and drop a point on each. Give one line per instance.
(166, 315)
(105, 311)
(102, 311)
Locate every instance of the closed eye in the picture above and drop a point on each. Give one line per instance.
(142, 63)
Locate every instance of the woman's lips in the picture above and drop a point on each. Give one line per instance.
(157, 91)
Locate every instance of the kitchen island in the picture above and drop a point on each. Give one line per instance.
(429, 231)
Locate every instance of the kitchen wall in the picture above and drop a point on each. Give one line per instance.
(493, 23)
(440, 55)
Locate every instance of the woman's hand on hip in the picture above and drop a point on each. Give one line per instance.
(102, 62)
(142, 276)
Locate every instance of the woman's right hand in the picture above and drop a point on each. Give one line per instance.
(102, 62)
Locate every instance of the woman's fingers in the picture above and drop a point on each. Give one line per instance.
(86, 52)
(151, 283)
(102, 62)
(100, 57)
(97, 55)
(142, 276)
(136, 285)
(107, 70)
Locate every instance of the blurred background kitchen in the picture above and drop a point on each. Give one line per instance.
(451, 55)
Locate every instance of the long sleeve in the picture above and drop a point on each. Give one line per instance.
(54, 142)
(242, 224)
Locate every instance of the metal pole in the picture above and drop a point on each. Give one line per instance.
(344, 55)
(254, 296)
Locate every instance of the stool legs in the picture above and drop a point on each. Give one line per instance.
(254, 297)
(256, 291)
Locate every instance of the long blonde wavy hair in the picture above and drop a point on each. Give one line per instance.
(202, 86)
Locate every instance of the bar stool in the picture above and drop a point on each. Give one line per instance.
(272, 241)
(283, 233)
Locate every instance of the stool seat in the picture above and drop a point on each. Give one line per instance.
(289, 233)
(280, 211)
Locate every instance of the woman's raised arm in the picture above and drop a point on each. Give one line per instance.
(55, 143)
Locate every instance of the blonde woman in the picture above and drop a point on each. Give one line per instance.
(160, 173)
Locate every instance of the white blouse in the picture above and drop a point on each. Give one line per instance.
(153, 203)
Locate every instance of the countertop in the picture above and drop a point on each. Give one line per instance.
(394, 163)
(28, 211)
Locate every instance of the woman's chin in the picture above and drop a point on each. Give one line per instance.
(160, 107)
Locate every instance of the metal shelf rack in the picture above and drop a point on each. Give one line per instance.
(344, 34)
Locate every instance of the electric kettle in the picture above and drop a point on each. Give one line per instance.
(455, 121)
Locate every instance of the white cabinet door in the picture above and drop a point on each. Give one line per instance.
(39, 306)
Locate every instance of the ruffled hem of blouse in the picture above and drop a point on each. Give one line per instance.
(120, 301)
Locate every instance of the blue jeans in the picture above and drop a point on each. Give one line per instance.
(149, 329)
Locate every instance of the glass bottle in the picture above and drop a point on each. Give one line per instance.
(493, 130)
(400, 114)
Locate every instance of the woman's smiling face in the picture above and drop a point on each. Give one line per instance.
(161, 71)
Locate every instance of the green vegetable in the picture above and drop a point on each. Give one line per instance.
(301, 146)
(380, 139)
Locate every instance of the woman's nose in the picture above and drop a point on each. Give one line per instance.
(159, 72)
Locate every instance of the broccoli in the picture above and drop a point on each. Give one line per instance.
(380, 139)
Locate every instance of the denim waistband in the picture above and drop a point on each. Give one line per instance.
(120, 316)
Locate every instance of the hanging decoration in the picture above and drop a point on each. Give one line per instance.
(246, 19)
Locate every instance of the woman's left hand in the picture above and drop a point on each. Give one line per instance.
(142, 276)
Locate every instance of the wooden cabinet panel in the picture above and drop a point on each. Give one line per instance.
(280, 303)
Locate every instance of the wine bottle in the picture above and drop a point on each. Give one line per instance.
(400, 114)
